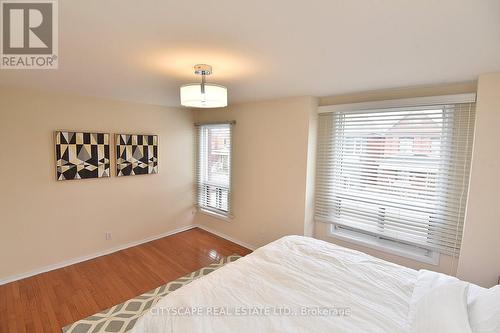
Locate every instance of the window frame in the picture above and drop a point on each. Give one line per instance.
(378, 242)
(374, 240)
(208, 210)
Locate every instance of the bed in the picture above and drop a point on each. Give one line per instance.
(300, 284)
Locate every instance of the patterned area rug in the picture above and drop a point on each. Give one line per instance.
(122, 317)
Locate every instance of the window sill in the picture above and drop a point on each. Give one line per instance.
(215, 215)
(384, 245)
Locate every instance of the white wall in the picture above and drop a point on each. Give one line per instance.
(312, 139)
(480, 254)
(44, 221)
(269, 169)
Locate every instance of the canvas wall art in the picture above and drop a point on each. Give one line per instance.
(136, 154)
(82, 155)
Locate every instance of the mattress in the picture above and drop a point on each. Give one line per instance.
(294, 284)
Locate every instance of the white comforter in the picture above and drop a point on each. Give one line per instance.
(298, 275)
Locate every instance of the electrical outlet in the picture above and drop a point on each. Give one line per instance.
(109, 236)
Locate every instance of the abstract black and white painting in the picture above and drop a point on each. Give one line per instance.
(81, 155)
(136, 154)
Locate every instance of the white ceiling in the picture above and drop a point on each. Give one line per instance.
(144, 50)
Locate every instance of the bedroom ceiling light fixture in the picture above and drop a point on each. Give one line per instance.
(203, 95)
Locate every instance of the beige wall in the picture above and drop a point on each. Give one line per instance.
(44, 221)
(480, 254)
(406, 92)
(269, 169)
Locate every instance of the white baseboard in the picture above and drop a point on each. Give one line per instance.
(229, 238)
(65, 263)
(73, 261)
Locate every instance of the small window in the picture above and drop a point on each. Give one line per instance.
(213, 168)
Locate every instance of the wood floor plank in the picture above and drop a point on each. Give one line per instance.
(49, 301)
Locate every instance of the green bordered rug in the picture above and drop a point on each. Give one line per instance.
(122, 317)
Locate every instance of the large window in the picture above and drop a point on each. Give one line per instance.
(397, 174)
(213, 168)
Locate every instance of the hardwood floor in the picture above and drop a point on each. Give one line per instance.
(49, 301)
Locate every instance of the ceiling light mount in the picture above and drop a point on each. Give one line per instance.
(202, 69)
(203, 95)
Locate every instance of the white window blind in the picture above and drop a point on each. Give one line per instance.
(213, 167)
(399, 173)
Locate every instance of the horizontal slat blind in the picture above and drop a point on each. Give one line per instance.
(213, 167)
(401, 173)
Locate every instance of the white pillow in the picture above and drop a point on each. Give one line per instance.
(442, 309)
(429, 279)
(484, 311)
